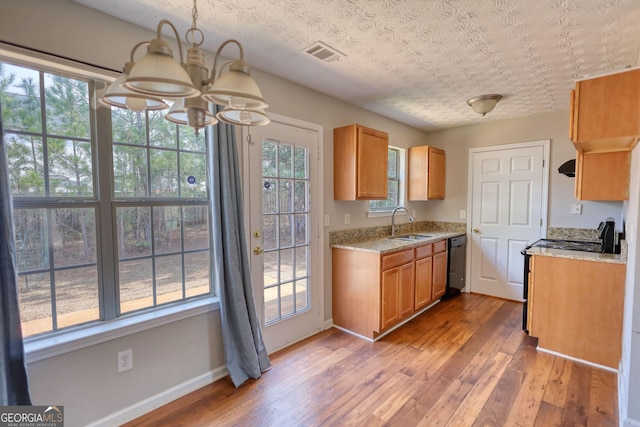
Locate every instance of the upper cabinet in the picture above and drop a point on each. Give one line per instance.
(360, 163)
(427, 166)
(605, 112)
(603, 176)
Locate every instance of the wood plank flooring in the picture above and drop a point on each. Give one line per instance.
(465, 362)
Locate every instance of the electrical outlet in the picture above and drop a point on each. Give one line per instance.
(347, 219)
(125, 360)
(463, 214)
(576, 209)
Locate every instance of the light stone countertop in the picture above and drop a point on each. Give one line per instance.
(388, 244)
(585, 256)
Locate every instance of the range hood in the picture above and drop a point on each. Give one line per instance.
(568, 168)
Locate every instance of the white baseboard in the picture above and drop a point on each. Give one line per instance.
(154, 402)
(575, 359)
(328, 324)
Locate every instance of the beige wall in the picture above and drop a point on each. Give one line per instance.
(84, 380)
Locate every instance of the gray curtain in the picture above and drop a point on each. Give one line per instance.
(245, 353)
(14, 387)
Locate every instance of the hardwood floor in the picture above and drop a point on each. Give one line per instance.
(465, 362)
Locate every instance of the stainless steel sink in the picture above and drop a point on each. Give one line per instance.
(413, 237)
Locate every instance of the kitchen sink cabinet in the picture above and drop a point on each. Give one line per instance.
(373, 293)
(360, 162)
(602, 175)
(605, 112)
(427, 166)
(575, 308)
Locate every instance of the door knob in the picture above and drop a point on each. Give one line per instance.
(257, 250)
(476, 230)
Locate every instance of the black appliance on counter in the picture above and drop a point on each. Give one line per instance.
(609, 236)
(567, 245)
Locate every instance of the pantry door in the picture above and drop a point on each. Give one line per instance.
(508, 186)
(285, 197)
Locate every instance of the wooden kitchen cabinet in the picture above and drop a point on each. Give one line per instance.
(575, 308)
(439, 269)
(427, 166)
(605, 112)
(602, 175)
(360, 163)
(373, 293)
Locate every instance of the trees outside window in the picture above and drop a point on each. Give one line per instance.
(157, 207)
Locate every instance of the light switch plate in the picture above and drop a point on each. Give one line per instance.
(463, 214)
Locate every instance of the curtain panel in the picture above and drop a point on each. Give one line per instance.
(14, 386)
(245, 352)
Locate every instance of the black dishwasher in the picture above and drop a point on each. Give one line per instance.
(456, 265)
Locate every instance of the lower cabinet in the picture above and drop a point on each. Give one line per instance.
(372, 293)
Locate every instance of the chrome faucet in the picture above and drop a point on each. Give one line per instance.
(393, 219)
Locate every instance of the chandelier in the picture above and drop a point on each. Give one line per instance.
(156, 77)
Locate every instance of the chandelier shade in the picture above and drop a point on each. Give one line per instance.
(245, 117)
(236, 89)
(121, 97)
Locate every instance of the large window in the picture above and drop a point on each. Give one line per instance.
(100, 232)
(394, 183)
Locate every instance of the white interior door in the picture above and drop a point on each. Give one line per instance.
(283, 164)
(509, 193)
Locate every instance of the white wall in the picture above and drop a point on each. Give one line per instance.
(84, 380)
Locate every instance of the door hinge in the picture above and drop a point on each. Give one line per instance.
(540, 222)
(543, 163)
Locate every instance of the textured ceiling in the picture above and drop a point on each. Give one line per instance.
(417, 61)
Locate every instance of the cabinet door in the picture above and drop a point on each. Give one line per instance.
(437, 161)
(390, 290)
(606, 109)
(424, 280)
(371, 164)
(406, 289)
(439, 274)
(603, 176)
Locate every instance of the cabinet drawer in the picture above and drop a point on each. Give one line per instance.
(397, 258)
(440, 246)
(424, 251)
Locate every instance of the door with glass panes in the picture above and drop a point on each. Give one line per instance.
(284, 231)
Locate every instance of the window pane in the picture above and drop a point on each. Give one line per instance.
(77, 296)
(70, 168)
(34, 294)
(285, 196)
(166, 229)
(269, 166)
(67, 104)
(32, 243)
(270, 260)
(302, 298)
(74, 236)
(300, 164)
(20, 98)
(285, 161)
(393, 163)
(286, 265)
(301, 228)
(189, 141)
(168, 278)
(162, 133)
(129, 171)
(26, 164)
(269, 193)
(196, 273)
(301, 261)
(269, 232)
(136, 285)
(300, 196)
(195, 225)
(134, 232)
(164, 173)
(271, 307)
(286, 299)
(128, 127)
(286, 231)
(193, 175)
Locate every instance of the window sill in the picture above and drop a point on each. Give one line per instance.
(40, 348)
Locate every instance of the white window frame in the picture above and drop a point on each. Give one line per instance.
(55, 343)
(402, 165)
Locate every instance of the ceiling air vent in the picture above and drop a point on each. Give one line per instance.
(323, 52)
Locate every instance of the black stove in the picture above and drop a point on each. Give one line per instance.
(567, 245)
